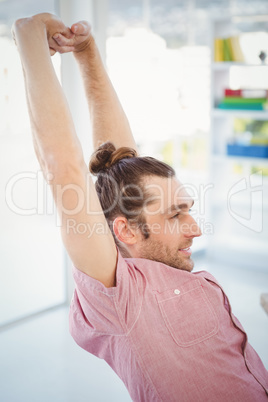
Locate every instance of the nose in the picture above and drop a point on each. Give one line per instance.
(193, 229)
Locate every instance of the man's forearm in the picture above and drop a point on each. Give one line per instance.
(109, 121)
(52, 126)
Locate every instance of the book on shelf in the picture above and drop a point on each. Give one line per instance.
(254, 151)
(243, 99)
(228, 49)
(241, 106)
(218, 50)
(246, 93)
(232, 100)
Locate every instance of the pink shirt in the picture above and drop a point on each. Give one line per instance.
(169, 334)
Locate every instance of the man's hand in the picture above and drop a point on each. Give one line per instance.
(76, 39)
(49, 22)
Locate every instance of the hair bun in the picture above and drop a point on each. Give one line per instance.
(107, 155)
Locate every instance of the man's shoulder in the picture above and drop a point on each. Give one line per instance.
(158, 276)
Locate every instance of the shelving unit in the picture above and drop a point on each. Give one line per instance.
(225, 65)
(239, 200)
(252, 114)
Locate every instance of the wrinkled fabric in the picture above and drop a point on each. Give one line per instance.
(169, 334)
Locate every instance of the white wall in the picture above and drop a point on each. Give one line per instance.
(32, 259)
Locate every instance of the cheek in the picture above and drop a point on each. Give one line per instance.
(168, 235)
(172, 228)
(156, 227)
(164, 229)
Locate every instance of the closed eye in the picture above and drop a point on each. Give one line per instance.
(181, 213)
(175, 216)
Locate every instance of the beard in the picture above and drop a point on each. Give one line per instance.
(157, 251)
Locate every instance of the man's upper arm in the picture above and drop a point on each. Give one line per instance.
(96, 310)
(85, 232)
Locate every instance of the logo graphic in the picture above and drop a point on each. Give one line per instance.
(252, 189)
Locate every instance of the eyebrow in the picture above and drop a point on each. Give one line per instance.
(178, 207)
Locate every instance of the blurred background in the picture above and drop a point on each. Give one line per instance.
(192, 76)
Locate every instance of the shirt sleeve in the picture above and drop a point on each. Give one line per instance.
(106, 311)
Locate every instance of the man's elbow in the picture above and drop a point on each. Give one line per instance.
(20, 25)
(59, 168)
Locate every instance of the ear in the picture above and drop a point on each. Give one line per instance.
(123, 230)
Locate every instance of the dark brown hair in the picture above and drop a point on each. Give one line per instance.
(119, 185)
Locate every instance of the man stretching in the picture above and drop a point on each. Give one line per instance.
(168, 333)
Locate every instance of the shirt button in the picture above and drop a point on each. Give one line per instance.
(177, 292)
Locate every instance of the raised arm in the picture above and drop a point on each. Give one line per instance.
(59, 151)
(109, 121)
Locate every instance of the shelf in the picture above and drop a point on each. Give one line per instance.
(247, 114)
(244, 159)
(219, 66)
(234, 238)
(235, 19)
